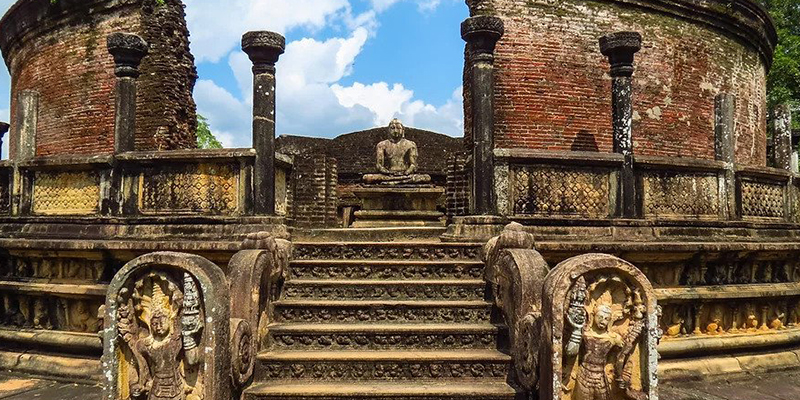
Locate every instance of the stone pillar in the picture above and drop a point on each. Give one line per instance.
(264, 48)
(128, 50)
(3, 130)
(620, 47)
(782, 137)
(725, 150)
(481, 34)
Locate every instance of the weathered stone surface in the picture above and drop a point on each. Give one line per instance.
(596, 305)
(166, 329)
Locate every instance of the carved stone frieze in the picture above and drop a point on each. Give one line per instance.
(66, 193)
(374, 252)
(367, 271)
(361, 370)
(52, 269)
(387, 292)
(49, 312)
(192, 188)
(360, 340)
(724, 269)
(738, 316)
(366, 313)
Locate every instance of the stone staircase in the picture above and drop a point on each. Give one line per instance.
(383, 321)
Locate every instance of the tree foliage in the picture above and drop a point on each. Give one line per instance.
(783, 83)
(206, 139)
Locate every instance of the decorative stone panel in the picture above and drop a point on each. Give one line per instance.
(190, 188)
(679, 195)
(539, 190)
(66, 193)
(762, 199)
(794, 192)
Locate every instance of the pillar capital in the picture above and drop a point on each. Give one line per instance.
(128, 50)
(620, 47)
(263, 48)
(482, 33)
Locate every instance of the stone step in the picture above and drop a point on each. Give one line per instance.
(381, 390)
(386, 269)
(425, 251)
(472, 289)
(394, 365)
(392, 311)
(383, 336)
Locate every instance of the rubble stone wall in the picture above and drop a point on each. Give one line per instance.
(59, 51)
(553, 90)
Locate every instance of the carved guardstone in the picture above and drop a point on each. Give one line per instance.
(600, 331)
(166, 330)
(397, 195)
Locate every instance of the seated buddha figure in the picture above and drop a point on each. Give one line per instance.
(396, 160)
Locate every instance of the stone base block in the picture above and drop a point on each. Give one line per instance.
(375, 219)
(474, 228)
(398, 206)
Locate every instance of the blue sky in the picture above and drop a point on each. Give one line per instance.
(349, 64)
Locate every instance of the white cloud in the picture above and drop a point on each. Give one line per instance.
(217, 26)
(423, 5)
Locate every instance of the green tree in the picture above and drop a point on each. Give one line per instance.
(206, 139)
(783, 82)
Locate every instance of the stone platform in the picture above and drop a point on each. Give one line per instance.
(784, 385)
(384, 206)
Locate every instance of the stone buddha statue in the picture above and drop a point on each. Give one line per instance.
(396, 160)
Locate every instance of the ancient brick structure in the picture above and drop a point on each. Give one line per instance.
(552, 91)
(623, 127)
(63, 81)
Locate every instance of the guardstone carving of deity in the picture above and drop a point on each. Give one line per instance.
(396, 160)
(606, 312)
(166, 330)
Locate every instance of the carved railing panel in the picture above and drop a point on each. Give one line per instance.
(5, 191)
(209, 188)
(794, 193)
(545, 190)
(762, 199)
(681, 195)
(66, 193)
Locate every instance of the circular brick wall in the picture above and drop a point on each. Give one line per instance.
(553, 90)
(56, 52)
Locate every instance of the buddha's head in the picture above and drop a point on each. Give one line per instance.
(396, 130)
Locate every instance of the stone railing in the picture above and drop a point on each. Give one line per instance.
(180, 182)
(581, 185)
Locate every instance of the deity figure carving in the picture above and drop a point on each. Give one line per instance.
(161, 323)
(603, 340)
(396, 160)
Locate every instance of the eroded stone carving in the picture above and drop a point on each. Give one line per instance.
(600, 327)
(396, 159)
(166, 315)
(516, 272)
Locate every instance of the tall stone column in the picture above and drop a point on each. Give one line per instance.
(481, 34)
(782, 137)
(620, 47)
(128, 50)
(3, 130)
(725, 150)
(264, 48)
